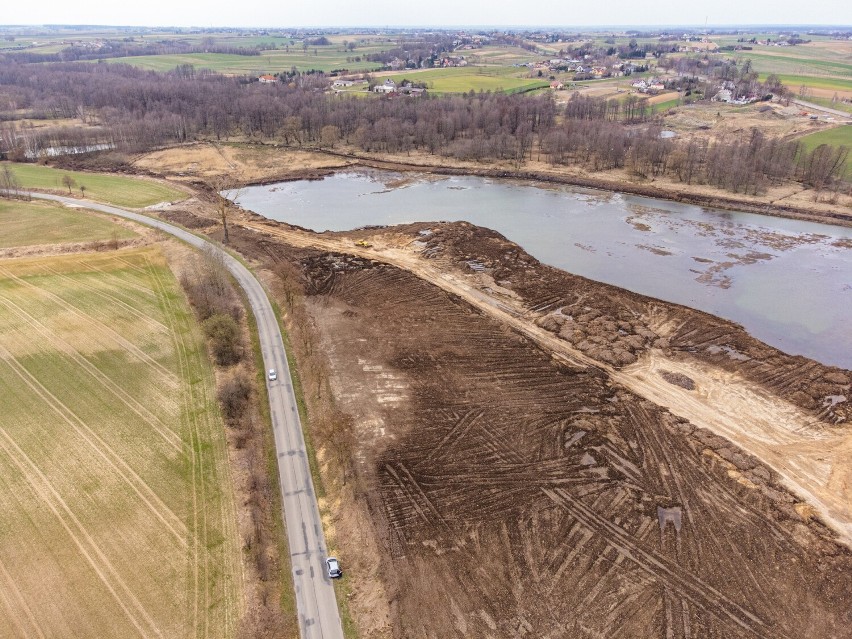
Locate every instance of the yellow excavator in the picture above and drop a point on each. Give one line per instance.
(363, 244)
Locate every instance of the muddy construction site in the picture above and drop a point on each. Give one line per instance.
(531, 454)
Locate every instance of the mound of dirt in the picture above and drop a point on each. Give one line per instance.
(615, 326)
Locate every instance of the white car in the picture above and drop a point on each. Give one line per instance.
(333, 567)
(272, 375)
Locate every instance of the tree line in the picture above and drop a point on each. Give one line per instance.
(127, 48)
(136, 110)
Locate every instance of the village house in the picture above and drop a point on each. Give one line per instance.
(556, 85)
(342, 83)
(454, 61)
(389, 86)
(414, 92)
(267, 79)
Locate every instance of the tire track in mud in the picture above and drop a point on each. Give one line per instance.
(88, 547)
(689, 586)
(457, 432)
(781, 435)
(710, 412)
(171, 522)
(69, 352)
(467, 364)
(675, 476)
(100, 326)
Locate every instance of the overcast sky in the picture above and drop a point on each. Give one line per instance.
(344, 13)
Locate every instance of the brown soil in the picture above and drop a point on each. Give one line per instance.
(540, 455)
(246, 164)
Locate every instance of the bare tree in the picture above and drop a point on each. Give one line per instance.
(329, 136)
(226, 195)
(9, 184)
(68, 182)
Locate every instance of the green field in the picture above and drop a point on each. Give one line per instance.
(327, 58)
(777, 63)
(820, 65)
(794, 72)
(505, 55)
(794, 82)
(117, 515)
(826, 102)
(464, 79)
(32, 223)
(838, 136)
(662, 107)
(114, 189)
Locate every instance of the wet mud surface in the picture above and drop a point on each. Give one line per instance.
(514, 495)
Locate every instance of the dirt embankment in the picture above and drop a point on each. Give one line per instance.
(615, 326)
(511, 478)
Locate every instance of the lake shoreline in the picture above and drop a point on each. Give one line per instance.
(716, 261)
(720, 201)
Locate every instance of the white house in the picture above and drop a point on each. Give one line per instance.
(389, 86)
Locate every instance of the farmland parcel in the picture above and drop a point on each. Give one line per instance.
(114, 519)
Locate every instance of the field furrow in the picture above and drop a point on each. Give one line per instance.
(87, 546)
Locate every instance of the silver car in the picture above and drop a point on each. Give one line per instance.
(333, 567)
(272, 375)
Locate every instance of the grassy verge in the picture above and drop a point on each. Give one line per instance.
(113, 189)
(343, 591)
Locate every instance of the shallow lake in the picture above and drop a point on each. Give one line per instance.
(789, 283)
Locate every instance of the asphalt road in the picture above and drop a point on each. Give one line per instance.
(315, 598)
(816, 107)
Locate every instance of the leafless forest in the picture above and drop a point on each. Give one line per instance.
(134, 110)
